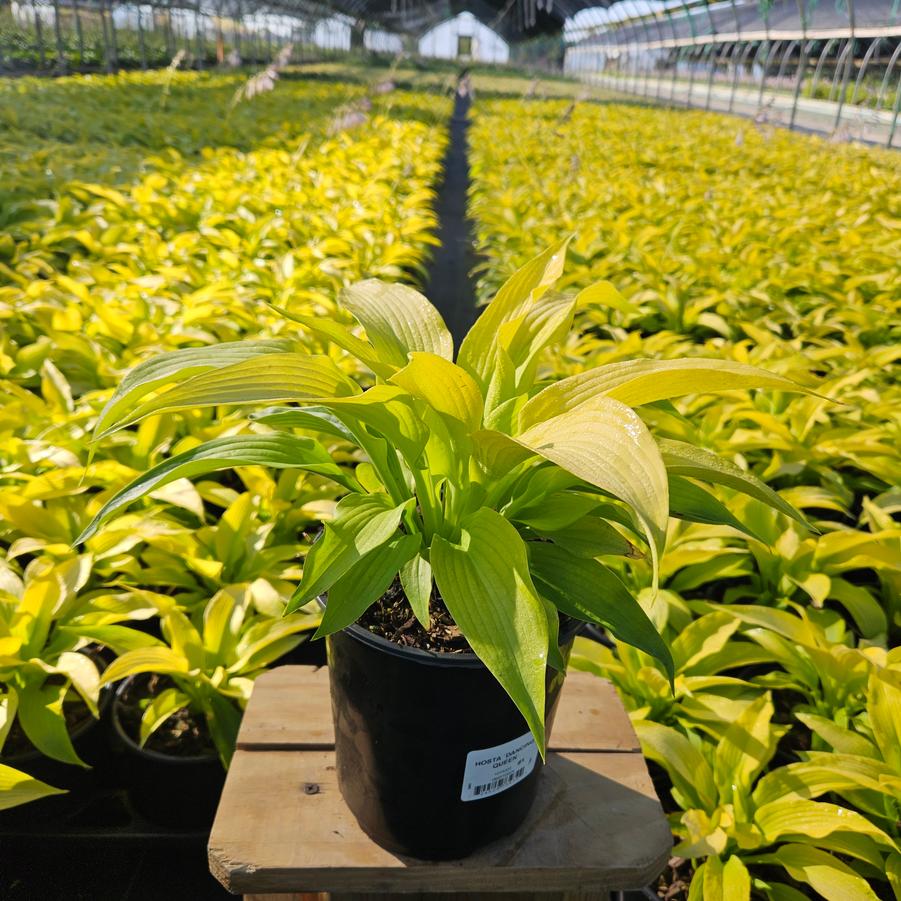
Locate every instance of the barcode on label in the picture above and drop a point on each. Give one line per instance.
(502, 782)
(492, 770)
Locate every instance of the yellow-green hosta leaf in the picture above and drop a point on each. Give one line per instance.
(160, 709)
(884, 707)
(686, 765)
(587, 590)
(722, 882)
(446, 387)
(341, 335)
(279, 451)
(792, 818)
(177, 365)
(416, 580)
(591, 536)
(606, 444)
(604, 294)
(691, 502)
(637, 382)
(83, 673)
(223, 617)
(683, 459)
(498, 452)
(19, 788)
(746, 748)
(519, 292)
(118, 638)
(555, 511)
(365, 582)
(398, 320)
(9, 703)
(268, 639)
(362, 523)
(262, 379)
(844, 741)
(542, 325)
(892, 871)
(703, 637)
(388, 410)
(44, 723)
(162, 660)
(825, 874)
(485, 583)
(314, 419)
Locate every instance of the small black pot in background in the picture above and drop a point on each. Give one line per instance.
(179, 792)
(405, 722)
(90, 745)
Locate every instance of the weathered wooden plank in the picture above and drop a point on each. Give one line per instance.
(433, 896)
(290, 708)
(596, 826)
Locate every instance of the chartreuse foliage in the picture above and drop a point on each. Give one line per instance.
(132, 224)
(39, 662)
(737, 806)
(501, 489)
(212, 661)
(776, 250)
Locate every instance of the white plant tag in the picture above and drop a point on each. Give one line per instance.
(493, 770)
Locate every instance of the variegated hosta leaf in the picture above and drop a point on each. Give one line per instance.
(689, 770)
(161, 660)
(19, 788)
(828, 876)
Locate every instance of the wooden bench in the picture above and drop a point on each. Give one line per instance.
(283, 832)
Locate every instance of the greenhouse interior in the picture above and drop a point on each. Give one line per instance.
(450, 449)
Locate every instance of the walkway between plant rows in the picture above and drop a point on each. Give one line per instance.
(449, 286)
(818, 116)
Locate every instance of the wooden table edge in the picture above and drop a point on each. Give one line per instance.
(391, 881)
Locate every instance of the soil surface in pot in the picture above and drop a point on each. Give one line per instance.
(392, 617)
(184, 734)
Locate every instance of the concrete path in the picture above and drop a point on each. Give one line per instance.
(820, 116)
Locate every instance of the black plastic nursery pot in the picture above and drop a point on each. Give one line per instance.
(433, 757)
(89, 743)
(88, 739)
(181, 792)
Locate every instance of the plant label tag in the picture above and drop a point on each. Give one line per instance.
(493, 770)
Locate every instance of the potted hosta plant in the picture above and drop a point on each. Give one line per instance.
(50, 692)
(179, 700)
(469, 536)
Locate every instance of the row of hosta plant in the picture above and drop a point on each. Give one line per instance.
(283, 200)
(780, 744)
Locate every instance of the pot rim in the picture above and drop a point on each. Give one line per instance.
(462, 659)
(135, 748)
